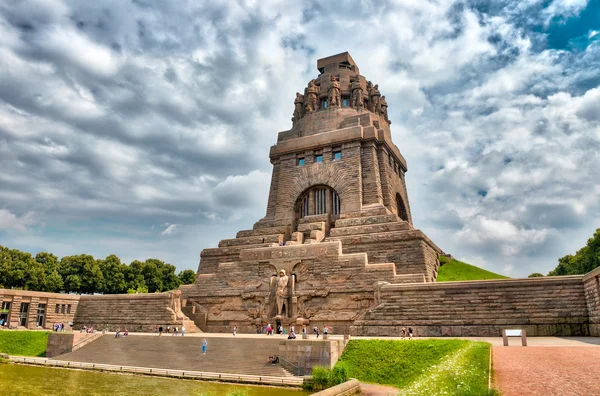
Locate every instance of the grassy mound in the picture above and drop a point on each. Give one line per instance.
(420, 367)
(24, 343)
(454, 270)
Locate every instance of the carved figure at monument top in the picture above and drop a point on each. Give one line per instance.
(357, 93)
(298, 107)
(374, 96)
(282, 292)
(383, 109)
(334, 92)
(312, 94)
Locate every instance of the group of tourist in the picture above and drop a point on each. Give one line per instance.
(118, 332)
(58, 327)
(3, 323)
(88, 330)
(291, 334)
(406, 333)
(159, 330)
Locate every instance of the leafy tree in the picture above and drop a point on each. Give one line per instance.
(585, 260)
(536, 275)
(53, 282)
(187, 277)
(113, 274)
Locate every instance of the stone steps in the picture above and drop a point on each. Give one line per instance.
(358, 221)
(253, 240)
(264, 231)
(366, 212)
(370, 228)
(224, 355)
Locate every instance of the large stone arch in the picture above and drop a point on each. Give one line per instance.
(318, 199)
(401, 209)
(330, 176)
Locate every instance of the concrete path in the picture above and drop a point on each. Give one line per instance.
(377, 390)
(547, 370)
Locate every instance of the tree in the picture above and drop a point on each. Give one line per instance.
(585, 260)
(536, 275)
(187, 276)
(113, 274)
(53, 282)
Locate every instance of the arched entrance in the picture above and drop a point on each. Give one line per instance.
(318, 200)
(401, 208)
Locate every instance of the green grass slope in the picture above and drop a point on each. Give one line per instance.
(23, 343)
(455, 270)
(420, 367)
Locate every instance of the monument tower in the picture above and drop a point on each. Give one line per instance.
(337, 224)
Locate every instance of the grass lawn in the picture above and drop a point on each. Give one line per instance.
(24, 343)
(421, 367)
(458, 271)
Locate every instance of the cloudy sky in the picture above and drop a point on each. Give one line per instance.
(142, 128)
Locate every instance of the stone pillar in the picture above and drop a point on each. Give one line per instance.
(329, 205)
(371, 179)
(311, 202)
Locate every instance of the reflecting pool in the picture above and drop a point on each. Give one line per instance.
(33, 380)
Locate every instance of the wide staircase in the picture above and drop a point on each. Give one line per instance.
(224, 355)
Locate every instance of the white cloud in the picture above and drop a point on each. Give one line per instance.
(10, 221)
(169, 230)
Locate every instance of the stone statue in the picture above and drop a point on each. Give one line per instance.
(312, 95)
(374, 96)
(282, 292)
(383, 109)
(298, 107)
(175, 305)
(357, 93)
(333, 94)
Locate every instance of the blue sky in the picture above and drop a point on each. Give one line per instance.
(142, 128)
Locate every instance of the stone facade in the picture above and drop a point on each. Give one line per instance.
(338, 201)
(591, 284)
(542, 306)
(134, 312)
(31, 310)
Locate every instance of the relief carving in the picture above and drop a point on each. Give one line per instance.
(334, 92)
(312, 94)
(357, 93)
(298, 107)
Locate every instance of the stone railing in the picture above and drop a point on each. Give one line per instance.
(350, 387)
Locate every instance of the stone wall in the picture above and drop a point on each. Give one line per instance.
(134, 312)
(60, 308)
(591, 284)
(305, 354)
(60, 343)
(542, 306)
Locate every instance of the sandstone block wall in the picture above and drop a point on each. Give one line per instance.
(591, 284)
(542, 306)
(134, 312)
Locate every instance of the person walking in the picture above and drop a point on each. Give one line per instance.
(204, 345)
(234, 330)
(325, 330)
(403, 333)
(182, 331)
(175, 331)
(410, 333)
(156, 329)
(160, 330)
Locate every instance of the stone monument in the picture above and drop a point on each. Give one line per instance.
(338, 219)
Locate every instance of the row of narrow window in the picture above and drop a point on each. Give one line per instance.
(336, 156)
(320, 203)
(62, 308)
(394, 164)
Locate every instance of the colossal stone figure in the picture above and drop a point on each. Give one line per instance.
(333, 94)
(175, 305)
(282, 292)
(357, 93)
(374, 95)
(383, 109)
(298, 107)
(312, 94)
